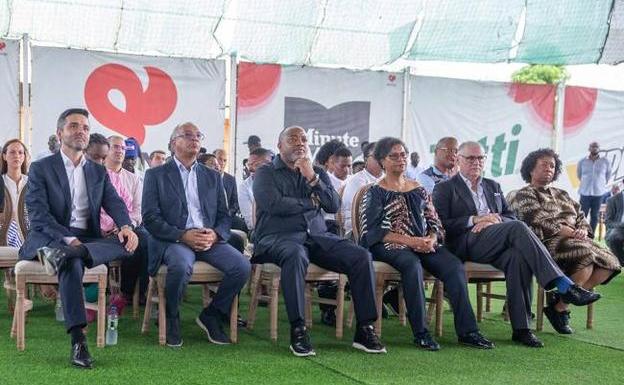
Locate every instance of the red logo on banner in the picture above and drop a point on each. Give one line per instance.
(578, 107)
(392, 77)
(256, 83)
(143, 107)
(2, 45)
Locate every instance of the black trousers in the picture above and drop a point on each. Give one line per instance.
(615, 241)
(135, 267)
(590, 205)
(513, 248)
(101, 251)
(444, 266)
(344, 257)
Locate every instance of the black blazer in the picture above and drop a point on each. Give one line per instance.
(615, 209)
(229, 184)
(453, 202)
(165, 210)
(48, 201)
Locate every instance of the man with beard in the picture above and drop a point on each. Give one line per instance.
(291, 232)
(65, 194)
(594, 172)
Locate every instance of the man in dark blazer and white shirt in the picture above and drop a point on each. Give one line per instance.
(615, 225)
(185, 212)
(65, 194)
(480, 227)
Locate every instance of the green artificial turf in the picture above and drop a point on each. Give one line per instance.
(588, 356)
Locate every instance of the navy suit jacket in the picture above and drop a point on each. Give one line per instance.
(229, 184)
(48, 201)
(165, 208)
(453, 202)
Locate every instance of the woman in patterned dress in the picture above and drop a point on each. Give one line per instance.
(559, 222)
(399, 226)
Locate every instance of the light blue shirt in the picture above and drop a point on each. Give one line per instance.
(477, 197)
(594, 175)
(427, 182)
(189, 181)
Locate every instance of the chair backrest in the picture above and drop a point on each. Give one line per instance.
(356, 210)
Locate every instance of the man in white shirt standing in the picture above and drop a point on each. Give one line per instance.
(257, 158)
(594, 173)
(372, 173)
(413, 169)
(135, 267)
(65, 193)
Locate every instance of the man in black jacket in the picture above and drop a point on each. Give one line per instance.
(615, 225)
(291, 232)
(480, 227)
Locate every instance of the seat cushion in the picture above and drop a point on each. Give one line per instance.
(8, 253)
(35, 267)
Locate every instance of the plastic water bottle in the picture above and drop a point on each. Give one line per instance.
(111, 330)
(58, 310)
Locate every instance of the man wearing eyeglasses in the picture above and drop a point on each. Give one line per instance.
(184, 210)
(480, 227)
(444, 164)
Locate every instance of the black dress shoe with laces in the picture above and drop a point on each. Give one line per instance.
(527, 338)
(211, 325)
(365, 339)
(52, 259)
(426, 341)
(578, 296)
(80, 356)
(174, 338)
(300, 344)
(560, 320)
(475, 340)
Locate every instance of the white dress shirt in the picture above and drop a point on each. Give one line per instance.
(353, 185)
(477, 197)
(195, 218)
(337, 184)
(78, 191)
(246, 201)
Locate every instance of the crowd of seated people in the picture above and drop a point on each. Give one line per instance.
(93, 200)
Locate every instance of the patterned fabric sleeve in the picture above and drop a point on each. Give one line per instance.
(434, 225)
(580, 221)
(373, 227)
(529, 210)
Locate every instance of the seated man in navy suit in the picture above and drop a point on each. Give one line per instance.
(291, 233)
(185, 212)
(65, 193)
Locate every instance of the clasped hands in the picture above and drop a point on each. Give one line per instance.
(480, 222)
(423, 244)
(571, 232)
(199, 239)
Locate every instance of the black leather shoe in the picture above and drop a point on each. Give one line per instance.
(80, 356)
(560, 321)
(211, 324)
(527, 338)
(300, 344)
(174, 338)
(426, 341)
(51, 258)
(365, 339)
(241, 323)
(328, 317)
(475, 340)
(578, 296)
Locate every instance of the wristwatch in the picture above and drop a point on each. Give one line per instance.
(314, 180)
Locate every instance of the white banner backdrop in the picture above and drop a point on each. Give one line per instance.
(132, 96)
(592, 116)
(508, 120)
(9, 91)
(352, 106)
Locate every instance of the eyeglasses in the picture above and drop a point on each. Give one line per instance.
(119, 147)
(190, 136)
(472, 159)
(397, 156)
(449, 150)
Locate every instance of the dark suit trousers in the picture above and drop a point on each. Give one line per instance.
(615, 240)
(590, 205)
(444, 266)
(513, 248)
(342, 257)
(179, 259)
(101, 251)
(135, 268)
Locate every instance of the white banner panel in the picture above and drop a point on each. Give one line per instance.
(592, 116)
(508, 120)
(132, 96)
(353, 106)
(9, 89)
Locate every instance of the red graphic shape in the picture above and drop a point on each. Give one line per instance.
(143, 107)
(256, 83)
(578, 106)
(2, 45)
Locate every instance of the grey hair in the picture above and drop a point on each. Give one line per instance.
(468, 144)
(178, 128)
(115, 137)
(444, 140)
